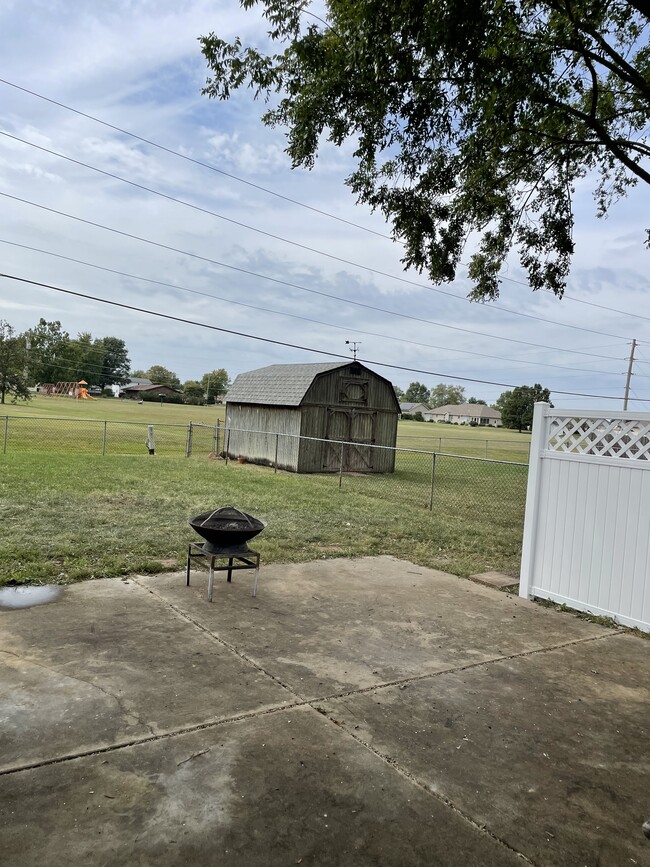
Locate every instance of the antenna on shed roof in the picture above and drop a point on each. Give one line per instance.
(354, 347)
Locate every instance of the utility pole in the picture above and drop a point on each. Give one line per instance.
(629, 375)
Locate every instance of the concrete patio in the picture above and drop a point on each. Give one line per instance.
(357, 712)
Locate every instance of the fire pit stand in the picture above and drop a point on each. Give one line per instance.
(226, 532)
(238, 556)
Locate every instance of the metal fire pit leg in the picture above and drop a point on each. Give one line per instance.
(250, 561)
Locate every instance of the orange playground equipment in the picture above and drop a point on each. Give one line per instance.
(74, 389)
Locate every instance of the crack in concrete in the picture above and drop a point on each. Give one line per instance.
(469, 665)
(231, 647)
(393, 763)
(147, 739)
(314, 705)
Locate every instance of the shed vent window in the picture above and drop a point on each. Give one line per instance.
(354, 391)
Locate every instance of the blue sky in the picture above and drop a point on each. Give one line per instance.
(137, 65)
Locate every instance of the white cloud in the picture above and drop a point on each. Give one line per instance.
(138, 66)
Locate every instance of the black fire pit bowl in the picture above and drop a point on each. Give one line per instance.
(226, 528)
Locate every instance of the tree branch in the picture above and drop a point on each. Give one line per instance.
(633, 75)
(612, 145)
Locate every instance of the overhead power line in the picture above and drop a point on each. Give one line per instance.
(284, 343)
(301, 288)
(307, 248)
(196, 162)
(216, 169)
(256, 307)
(92, 367)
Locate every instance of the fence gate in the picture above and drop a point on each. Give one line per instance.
(587, 526)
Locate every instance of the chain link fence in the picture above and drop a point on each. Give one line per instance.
(462, 487)
(459, 485)
(496, 448)
(91, 436)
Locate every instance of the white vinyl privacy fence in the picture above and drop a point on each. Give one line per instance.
(587, 526)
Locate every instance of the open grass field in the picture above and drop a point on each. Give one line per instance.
(104, 426)
(114, 409)
(78, 426)
(68, 513)
(65, 519)
(477, 442)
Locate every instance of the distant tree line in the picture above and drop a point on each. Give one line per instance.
(439, 395)
(211, 387)
(516, 406)
(47, 353)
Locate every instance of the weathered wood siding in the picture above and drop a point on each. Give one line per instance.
(330, 389)
(349, 403)
(259, 448)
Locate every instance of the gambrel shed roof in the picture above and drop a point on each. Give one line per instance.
(278, 384)
(287, 384)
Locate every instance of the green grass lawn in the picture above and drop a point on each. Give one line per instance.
(477, 442)
(118, 427)
(78, 426)
(67, 517)
(114, 409)
(67, 513)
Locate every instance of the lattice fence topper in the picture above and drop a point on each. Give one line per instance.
(600, 437)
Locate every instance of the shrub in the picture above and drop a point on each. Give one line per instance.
(152, 397)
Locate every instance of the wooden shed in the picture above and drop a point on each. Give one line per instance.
(302, 412)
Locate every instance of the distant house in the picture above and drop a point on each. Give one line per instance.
(118, 390)
(310, 418)
(136, 391)
(465, 413)
(412, 408)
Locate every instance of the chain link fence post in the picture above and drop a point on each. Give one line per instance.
(216, 438)
(104, 440)
(151, 439)
(433, 476)
(275, 462)
(188, 442)
(227, 444)
(341, 466)
(6, 432)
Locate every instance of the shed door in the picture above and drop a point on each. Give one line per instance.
(338, 428)
(357, 430)
(362, 431)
